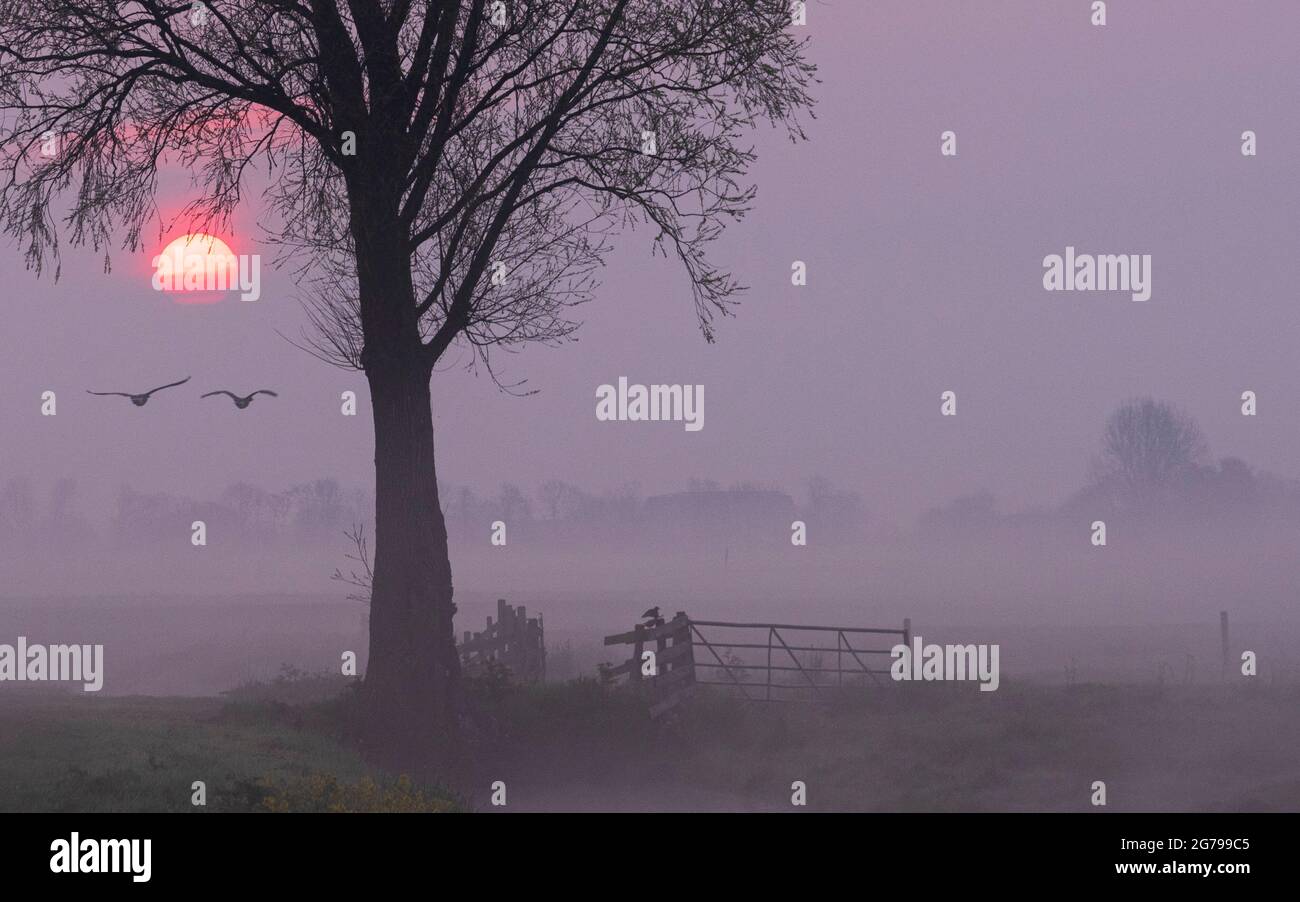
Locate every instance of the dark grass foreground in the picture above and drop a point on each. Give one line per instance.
(284, 746)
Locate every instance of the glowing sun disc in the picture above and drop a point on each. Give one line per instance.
(198, 265)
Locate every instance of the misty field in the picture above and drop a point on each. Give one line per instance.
(279, 746)
(234, 692)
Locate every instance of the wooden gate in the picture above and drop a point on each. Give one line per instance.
(515, 641)
(664, 676)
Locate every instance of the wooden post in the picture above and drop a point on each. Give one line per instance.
(519, 642)
(684, 636)
(1223, 633)
(636, 652)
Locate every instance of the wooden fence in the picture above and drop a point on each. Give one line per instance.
(664, 676)
(515, 641)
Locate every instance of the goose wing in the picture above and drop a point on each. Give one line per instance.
(168, 385)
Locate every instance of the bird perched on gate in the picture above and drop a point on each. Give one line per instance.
(243, 402)
(651, 615)
(141, 399)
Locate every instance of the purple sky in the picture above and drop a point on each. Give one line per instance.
(924, 275)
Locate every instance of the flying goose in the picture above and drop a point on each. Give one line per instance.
(142, 399)
(243, 402)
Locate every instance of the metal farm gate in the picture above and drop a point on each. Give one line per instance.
(785, 661)
(758, 661)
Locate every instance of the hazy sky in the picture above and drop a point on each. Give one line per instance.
(924, 275)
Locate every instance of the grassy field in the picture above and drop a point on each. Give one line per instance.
(1022, 748)
(276, 747)
(254, 751)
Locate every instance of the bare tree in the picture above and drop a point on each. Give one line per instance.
(560, 499)
(1147, 447)
(442, 172)
(362, 582)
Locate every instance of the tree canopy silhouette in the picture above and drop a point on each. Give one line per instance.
(1147, 447)
(443, 172)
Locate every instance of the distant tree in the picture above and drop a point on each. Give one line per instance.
(64, 523)
(141, 517)
(514, 504)
(819, 490)
(252, 508)
(549, 494)
(559, 499)
(318, 507)
(466, 508)
(620, 505)
(1148, 448)
(17, 509)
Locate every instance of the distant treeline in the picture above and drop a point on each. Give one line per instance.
(704, 511)
(242, 513)
(1153, 467)
(322, 509)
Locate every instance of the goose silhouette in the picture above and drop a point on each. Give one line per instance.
(243, 402)
(141, 399)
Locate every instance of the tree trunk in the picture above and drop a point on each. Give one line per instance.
(411, 684)
(412, 674)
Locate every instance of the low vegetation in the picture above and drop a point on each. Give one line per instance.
(283, 746)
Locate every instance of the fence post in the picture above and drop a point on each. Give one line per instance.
(684, 636)
(520, 643)
(839, 658)
(636, 652)
(541, 645)
(1223, 633)
(770, 632)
